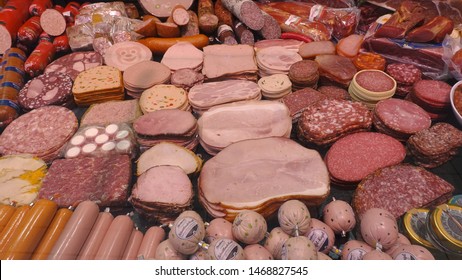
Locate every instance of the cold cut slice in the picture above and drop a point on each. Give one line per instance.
(74, 63)
(53, 22)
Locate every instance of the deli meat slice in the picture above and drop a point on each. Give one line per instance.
(336, 68)
(222, 60)
(226, 124)
(400, 188)
(207, 95)
(104, 180)
(183, 55)
(355, 156)
(261, 174)
(74, 63)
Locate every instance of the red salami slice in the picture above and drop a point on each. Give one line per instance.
(299, 100)
(74, 63)
(334, 92)
(400, 188)
(432, 92)
(355, 156)
(396, 116)
(404, 74)
(53, 88)
(375, 81)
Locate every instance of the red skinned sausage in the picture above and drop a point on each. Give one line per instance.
(30, 31)
(39, 6)
(40, 57)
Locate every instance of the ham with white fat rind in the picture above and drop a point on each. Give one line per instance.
(261, 174)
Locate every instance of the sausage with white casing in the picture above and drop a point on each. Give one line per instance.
(249, 227)
(187, 233)
(299, 248)
(339, 216)
(321, 235)
(294, 218)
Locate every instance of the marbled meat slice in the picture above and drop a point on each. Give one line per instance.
(105, 180)
(355, 156)
(403, 73)
(330, 119)
(74, 63)
(400, 188)
(334, 92)
(39, 132)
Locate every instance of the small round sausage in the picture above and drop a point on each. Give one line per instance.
(294, 218)
(299, 248)
(225, 249)
(218, 228)
(257, 252)
(355, 250)
(379, 228)
(376, 255)
(165, 251)
(274, 242)
(321, 235)
(249, 227)
(186, 233)
(402, 240)
(339, 216)
(412, 252)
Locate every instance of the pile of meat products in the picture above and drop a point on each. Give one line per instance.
(222, 130)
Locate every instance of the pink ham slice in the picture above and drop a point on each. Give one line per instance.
(165, 122)
(183, 55)
(222, 60)
(261, 174)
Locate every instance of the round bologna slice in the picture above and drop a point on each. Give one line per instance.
(400, 116)
(161, 97)
(53, 88)
(74, 63)
(125, 54)
(146, 74)
(353, 157)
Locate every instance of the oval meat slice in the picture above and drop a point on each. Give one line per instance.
(355, 156)
(183, 55)
(336, 68)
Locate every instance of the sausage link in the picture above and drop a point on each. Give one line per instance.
(91, 245)
(6, 212)
(7, 233)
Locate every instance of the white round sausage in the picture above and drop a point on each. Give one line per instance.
(294, 218)
(249, 227)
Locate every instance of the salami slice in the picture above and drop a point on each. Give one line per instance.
(404, 74)
(74, 63)
(355, 156)
(53, 88)
(399, 188)
(334, 92)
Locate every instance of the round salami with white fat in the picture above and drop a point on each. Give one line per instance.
(186, 233)
(249, 227)
(339, 216)
(403, 73)
(299, 248)
(412, 252)
(53, 88)
(218, 228)
(355, 250)
(321, 235)
(379, 228)
(355, 156)
(225, 249)
(294, 218)
(257, 252)
(274, 242)
(74, 63)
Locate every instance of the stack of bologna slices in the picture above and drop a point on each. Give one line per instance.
(131, 133)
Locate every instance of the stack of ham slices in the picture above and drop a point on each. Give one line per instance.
(143, 75)
(162, 193)
(226, 124)
(260, 175)
(183, 55)
(204, 96)
(275, 60)
(173, 125)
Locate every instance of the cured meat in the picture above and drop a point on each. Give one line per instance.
(321, 235)
(275, 86)
(349, 46)
(48, 89)
(247, 12)
(163, 8)
(355, 250)
(299, 248)
(298, 101)
(226, 124)
(143, 75)
(339, 216)
(379, 228)
(294, 218)
(275, 60)
(400, 118)
(204, 96)
(313, 49)
(111, 112)
(334, 92)
(371, 86)
(346, 159)
(366, 60)
(183, 55)
(304, 74)
(186, 78)
(400, 188)
(249, 227)
(433, 96)
(104, 180)
(187, 233)
(42, 132)
(405, 75)
(125, 54)
(274, 242)
(74, 63)
(330, 119)
(435, 145)
(336, 68)
(289, 44)
(53, 22)
(257, 252)
(274, 166)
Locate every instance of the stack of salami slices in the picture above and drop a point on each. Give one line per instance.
(436, 145)
(162, 193)
(42, 132)
(400, 188)
(299, 100)
(400, 118)
(143, 75)
(433, 96)
(371, 86)
(74, 63)
(172, 125)
(204, 96)
(355, 156)
(98, 84)
(164, 96)
(53, 88)
(275, 86)
(260, 175)
(330, 119)
(304, 74)
(126, 111)
(334, 92)
(104, 180)
(405, 75)
(275, 60)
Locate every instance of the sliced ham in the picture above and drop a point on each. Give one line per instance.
(222, 60)
(165, 122)
(312, 49)
(183, 55)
